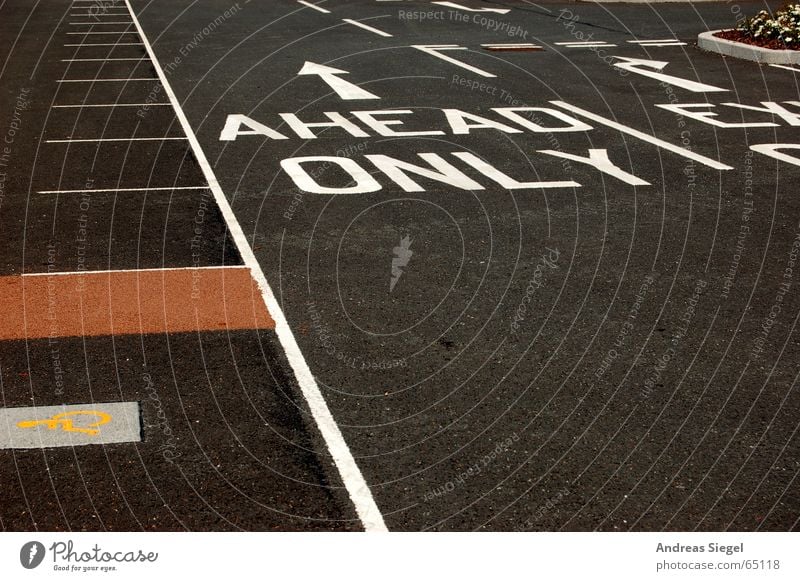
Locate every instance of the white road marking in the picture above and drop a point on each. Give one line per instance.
(96, 15)
(105, 80)
(102, 60)
(314, 6)
(668, 42)
(460, 7)
(643, 136)
(353, 480)
(634, 66)
(433, 49)
(108, 190)
(598, 44)
(512, 46)
(116, 270)
(365, 27)
(109, 44)
(345, 89)
(119, 32)
(788, 68)
(116, 105)
(99, 140)
(98, 23)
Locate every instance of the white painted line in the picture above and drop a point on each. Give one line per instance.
(120, 32)
(70, 425)
(433, 49)
(513, 44)
(116, 139)
(109, 44)
(643, 136)
(106, 80)
(353, 480)
(102, 60)
(580, 43)
(365, 27)
(787, 67)
(657, 42)
(99, 23)
(166, 268)
(115, 105)
(460, 7)
(107, 190)
(314, 6)
(345, 89)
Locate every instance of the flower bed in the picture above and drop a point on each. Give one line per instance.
(780, 31)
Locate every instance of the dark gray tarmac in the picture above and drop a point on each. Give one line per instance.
(548, 359)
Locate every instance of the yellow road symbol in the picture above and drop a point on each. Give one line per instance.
(64, 422)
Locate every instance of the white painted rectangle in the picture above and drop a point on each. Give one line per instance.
(70, 425)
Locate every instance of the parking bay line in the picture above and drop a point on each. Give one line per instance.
(108, 190)
(131, 302)
(104, 139)
(352, 478)
(114, 105)
(106, 80)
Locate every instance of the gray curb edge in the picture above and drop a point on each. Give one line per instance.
(707, 41)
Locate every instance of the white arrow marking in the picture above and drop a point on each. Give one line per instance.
(433, 49)
(460, 7)
(632, 65)
(345, 89)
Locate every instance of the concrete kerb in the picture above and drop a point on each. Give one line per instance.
(707, 41)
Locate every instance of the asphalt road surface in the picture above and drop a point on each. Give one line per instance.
(396, 264)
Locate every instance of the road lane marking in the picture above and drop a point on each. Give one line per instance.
(460, 7)
(345, 89)
(106, 190)
(351, 475)
(666, 42)
(106, 80)
(433, 49)
(313, 6)
(635, 65)
(92, 304)
(100, 140)
(102, 60)
(788, 68)
(512, 46)
(366, 27)
(108, 44)
(116, 105)
(643, 136)
(70, 425)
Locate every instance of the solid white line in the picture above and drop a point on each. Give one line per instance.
(114, 271)
(116, 105)
(106, 190)
(581, 42)
(116, 139)
(99, 23)
(788, 68)
(109, 44)
(106, 80)
(314, 6)
(141, 58)
(643, 136)
(594, 45)
(511, 44)
(96, 15)
(657, 40)
(353, 480)
(365, 27)
(120, 32)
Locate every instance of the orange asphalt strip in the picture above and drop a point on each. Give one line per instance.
(131, 302)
